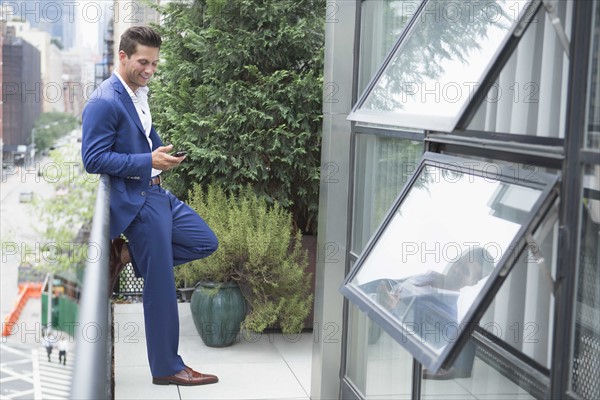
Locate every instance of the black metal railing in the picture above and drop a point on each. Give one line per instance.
(92, 377)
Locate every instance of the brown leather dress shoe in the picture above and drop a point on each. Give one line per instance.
(116, 263)
(186, 377)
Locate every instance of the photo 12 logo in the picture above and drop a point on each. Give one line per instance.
(51, 253)
(50, 92)
(52, 172)
(71, 11)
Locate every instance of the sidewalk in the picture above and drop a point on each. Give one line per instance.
(267, 366)
(25, 372)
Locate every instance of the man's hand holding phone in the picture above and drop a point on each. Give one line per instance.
(163, 159)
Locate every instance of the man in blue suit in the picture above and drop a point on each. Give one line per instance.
(162, 231)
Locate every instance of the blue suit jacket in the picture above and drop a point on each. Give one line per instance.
(114, 143)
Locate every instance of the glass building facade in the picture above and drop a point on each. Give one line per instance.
(460, 201)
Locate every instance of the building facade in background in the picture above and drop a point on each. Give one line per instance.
(21, 97)
(66, 66)
(57, 18)
(50, 86)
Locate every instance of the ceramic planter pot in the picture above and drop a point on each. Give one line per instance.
(218, 309)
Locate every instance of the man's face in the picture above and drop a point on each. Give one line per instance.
(137, 70)
(463, 273)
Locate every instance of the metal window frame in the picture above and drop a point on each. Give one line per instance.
(543, 181)
(571, 192)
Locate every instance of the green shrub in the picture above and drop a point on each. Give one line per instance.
(240, 88)
(258, 249)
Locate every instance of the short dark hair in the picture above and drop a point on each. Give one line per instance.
(144, 35)
(473, 265)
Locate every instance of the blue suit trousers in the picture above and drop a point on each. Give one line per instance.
(165, 233)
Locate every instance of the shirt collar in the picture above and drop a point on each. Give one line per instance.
(143, 90)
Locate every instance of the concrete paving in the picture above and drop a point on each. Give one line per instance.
(266, 366)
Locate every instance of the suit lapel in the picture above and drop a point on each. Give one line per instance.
(130, 107)
(128, 103)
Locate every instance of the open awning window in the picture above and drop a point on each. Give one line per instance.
(434, 72)
(444, 249)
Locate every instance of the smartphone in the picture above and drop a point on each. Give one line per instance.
(179, 153)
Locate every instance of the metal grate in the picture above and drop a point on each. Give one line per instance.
(129, 284)
(588, 294)
(589, 279)
(585, 379)
(131, 288)
(586, 368)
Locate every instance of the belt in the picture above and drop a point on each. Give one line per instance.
(155, 180)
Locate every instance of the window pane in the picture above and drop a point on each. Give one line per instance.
(521, 316)
(585, 370)
(435, 70)
(428, 267)
(523, 308)
(381, 22)
(529, 96)
(376, 364)
(593, 131)
(383, 166)
(478, 374)
(415, 268)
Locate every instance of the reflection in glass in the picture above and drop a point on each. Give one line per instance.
(481, 375)
(381, 23)
(442, 61)
(377, 365)
(383, 166)
(529, 97)
(522, 310)
(520, 315)
(439, 248)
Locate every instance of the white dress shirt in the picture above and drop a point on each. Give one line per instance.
(140, 100)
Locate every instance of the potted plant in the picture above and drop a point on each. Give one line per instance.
(260, 253)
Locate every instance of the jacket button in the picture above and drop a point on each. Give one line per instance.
(143, 193)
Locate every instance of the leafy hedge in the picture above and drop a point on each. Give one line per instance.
(240, 88)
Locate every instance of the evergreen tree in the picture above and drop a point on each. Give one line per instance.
(240, 89)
